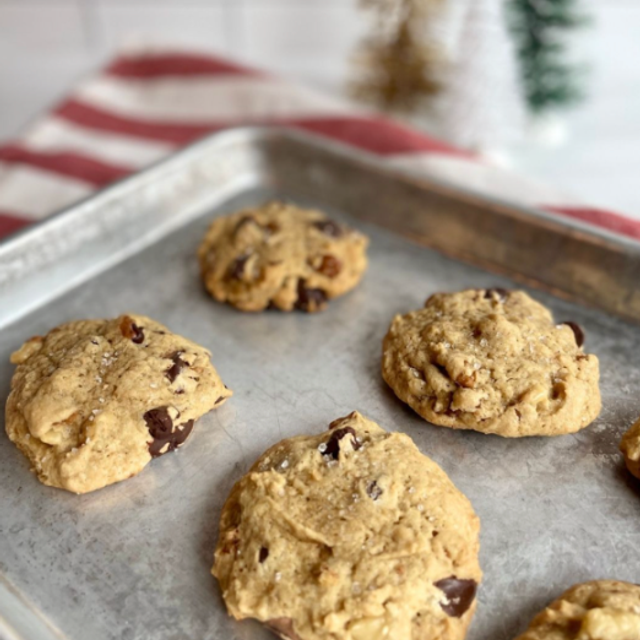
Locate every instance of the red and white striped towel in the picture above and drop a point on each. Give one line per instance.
(150, 102)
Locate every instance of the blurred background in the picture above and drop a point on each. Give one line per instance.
(551, 87)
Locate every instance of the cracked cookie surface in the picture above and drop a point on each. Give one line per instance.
(630, 447)
(280, 256)
(94, 400)
(597, 610)
(493, 361)
(352, 534)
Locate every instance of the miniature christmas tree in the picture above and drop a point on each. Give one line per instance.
(481, 105)
(539, 27)
(398, 65)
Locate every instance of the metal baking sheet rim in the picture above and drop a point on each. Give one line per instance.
(576, 261)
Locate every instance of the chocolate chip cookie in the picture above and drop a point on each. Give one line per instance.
(494, 361)
(352, 534)
(280, 256)
(93, 401)
(630, 447)
(598, 610)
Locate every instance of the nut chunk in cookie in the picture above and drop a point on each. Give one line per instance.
(94, 400)
(597, 610)
(494, 361)
(630, 447)
(350, 534)
(282, 257)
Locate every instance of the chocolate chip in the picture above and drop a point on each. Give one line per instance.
(178, 365)
(131, 330)
(330, 266)
(263, 555)
(329, 227)
(159, 422)
(333, 444)
(162, 431)
(310, 299)
(459, 593)
(236, 268)
(219, 400)
(373, 490)
(577, 331)
(502, 294)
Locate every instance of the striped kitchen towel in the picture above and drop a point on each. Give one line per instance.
(151, 101)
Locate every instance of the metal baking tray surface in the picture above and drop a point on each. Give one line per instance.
(132, 561)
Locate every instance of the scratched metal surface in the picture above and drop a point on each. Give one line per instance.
(132, 561)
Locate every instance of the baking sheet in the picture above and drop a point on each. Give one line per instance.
(132, 561)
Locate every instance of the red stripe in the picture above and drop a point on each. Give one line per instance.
(605, 219)
(101, 120)
(374, 134)
(69, 164)
(174, 64)
(10, 223)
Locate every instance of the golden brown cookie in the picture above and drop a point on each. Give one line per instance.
(598, 610)
(630, 447)
(494, 361)
(352, 534)
(280, 256)
(94, 400)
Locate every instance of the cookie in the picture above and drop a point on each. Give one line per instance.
(94, 400)
(630, 447)
(352, 534)
(598, 610)
(494, 361)
(280, 256)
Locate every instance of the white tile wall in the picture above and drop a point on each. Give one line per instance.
(45, 45)
(197, 24)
